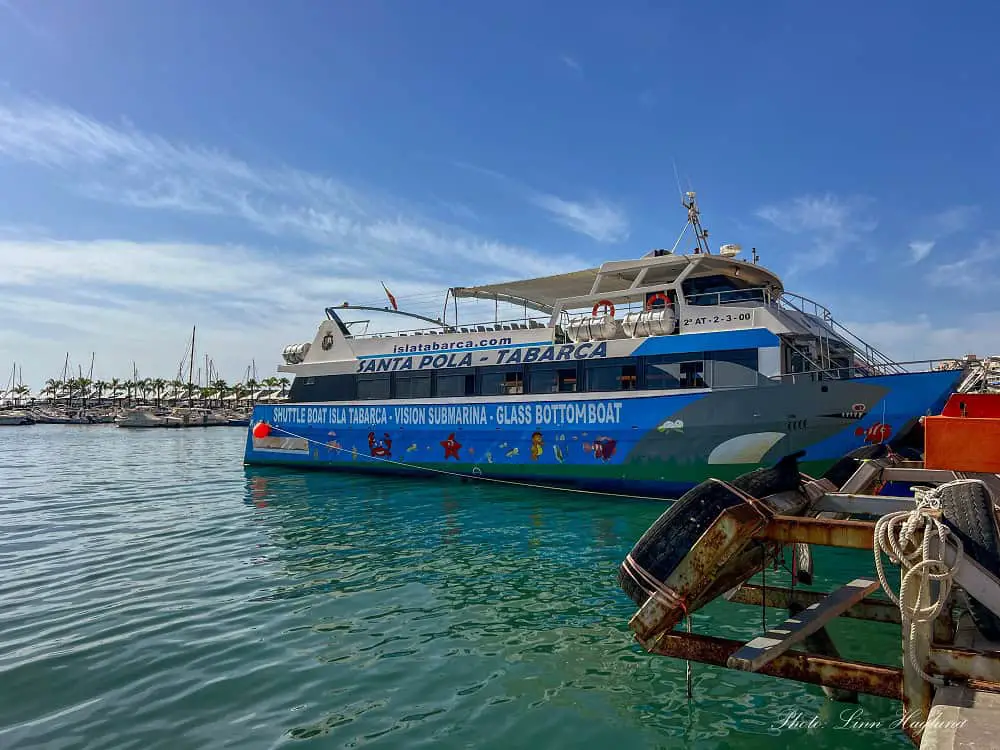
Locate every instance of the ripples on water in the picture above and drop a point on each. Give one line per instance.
(154, 593)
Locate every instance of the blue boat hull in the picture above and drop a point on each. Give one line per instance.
(649, 443)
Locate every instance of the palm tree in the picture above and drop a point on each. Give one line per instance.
(52, 388)
(284, 386)
(100, 386)
(20, 392)
(145, 386)
(158, 385)
(130, 389)
(252, 385)
(221, 387)
(204, 394)
(178, 388)
(115, 385)
(84, 384)
(239, 391)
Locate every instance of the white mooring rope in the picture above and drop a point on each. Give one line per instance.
(905, 537)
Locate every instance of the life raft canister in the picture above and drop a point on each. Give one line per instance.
(606, 304)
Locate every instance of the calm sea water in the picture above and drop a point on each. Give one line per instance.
(154, 593)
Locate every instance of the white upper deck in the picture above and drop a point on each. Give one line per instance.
(618, 303)
(624, 281)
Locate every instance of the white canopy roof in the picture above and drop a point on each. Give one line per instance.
(617, 276)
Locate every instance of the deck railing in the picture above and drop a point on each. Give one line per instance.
(504, 326)
(872, 370)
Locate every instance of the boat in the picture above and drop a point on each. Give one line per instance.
(638, 376)
(15, 419)
(141, 417)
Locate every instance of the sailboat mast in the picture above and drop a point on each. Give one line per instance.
(191, 368)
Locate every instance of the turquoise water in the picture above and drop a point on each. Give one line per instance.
(156, 594)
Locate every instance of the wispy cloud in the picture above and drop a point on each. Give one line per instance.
(830, 226)
(920, 249)
(939, 226)
(927, 336)
(122, 165)
(333, 242)
(13, 11)
(596, 219)
(571, 63)
(972, 271)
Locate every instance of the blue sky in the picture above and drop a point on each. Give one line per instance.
(239, 164)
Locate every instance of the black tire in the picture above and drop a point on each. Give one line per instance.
(674, 533)
(967, 510)
(845, 467)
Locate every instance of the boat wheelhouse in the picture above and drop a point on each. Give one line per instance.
(648, 374)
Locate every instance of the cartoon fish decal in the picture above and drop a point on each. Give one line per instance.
(604, 448)
(877, 433)
(559, 454)
(674, 425)
(489, 457)
(512, 452)
(411, 447)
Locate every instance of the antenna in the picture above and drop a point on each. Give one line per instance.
(694, 218)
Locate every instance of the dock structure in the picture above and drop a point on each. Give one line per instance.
(949, 678)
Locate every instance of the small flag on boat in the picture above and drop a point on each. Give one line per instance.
(392, 300)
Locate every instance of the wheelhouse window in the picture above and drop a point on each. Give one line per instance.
(415, 385)
(718, 290)
(552, 380)
(673, 371)
(611, 376)
(373, 386)
(454, 384)
(501, 381)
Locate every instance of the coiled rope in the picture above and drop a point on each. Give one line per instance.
(906, 539)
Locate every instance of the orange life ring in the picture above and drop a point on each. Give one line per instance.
(658, 296)
(606, 304)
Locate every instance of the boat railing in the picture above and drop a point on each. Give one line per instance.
(868, 370)
(824, 318)
(493, 326)
(804, 305)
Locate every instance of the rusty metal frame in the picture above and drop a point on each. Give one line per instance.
(875, 610)
(815, 669)
(727, 540)
(826, 532)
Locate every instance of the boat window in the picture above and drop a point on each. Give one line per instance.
(610, 376)
(738, 367)
(501, 381)
(718, 290)
(676, 371)
(452, 384)
(415, 385)
(552, 380)
(322, 388)
(373, 386)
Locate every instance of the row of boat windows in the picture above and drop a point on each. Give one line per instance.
(664, 372)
